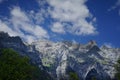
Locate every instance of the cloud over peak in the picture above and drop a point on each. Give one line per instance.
(21, 25)
(54, 16)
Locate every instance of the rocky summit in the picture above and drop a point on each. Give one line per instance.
(61, 58)
(86, 60)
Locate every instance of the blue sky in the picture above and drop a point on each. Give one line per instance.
(57, 20)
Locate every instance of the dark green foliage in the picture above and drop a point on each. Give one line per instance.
(73, 76)
(39, 74)
(15, 67)
(94, 78)
(117, 67)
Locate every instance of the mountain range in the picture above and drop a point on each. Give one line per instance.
(61, 58)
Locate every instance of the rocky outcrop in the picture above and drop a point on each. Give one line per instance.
(87, 60)
(60, 58)
(17, 44)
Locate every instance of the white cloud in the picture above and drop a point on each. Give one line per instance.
(68, 16)
(39, 16)
(40, 32)
(119, 12)
(1, 1)
(4, 27)
(83, 28)
(75, 12)
(116, 5)
(21, 25)
(58, 28)
(17, 13)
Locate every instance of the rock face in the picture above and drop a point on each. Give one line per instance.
(87, 60)
(60, 58)
(16, 43)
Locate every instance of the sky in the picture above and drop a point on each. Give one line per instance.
(59, 20)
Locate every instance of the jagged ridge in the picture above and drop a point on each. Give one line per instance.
(81, 58)
(59, 58)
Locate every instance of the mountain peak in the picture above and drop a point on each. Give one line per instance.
(92, 43)
(3, 34)
(57, 57)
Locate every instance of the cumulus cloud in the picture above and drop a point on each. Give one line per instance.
(4, 27)
(39, 16)
(64, 16)
(21, 25)
(73, 13)
(58, 28)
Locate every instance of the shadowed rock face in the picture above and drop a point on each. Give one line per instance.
(17, 44)
(84, 59)
(92, 75)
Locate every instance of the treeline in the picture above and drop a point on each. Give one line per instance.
(16, 67)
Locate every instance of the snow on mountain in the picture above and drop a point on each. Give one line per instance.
(60, 58)
(81, 58)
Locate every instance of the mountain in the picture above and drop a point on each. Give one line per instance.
(17, 44)
(87, 60)
(59, 59)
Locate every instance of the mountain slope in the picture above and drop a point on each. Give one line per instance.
(30, 70)
(17, 44)
(59, 59)
(85, 60)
